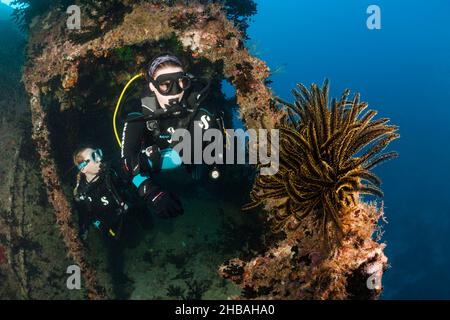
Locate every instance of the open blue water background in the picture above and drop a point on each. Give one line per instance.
(403, 71)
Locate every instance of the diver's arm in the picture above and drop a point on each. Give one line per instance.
(82, 207)
(133, 159)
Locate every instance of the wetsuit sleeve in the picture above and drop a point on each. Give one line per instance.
(83, 209)
(132, 139)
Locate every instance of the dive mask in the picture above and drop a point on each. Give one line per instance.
(96, 156)
(171, 84)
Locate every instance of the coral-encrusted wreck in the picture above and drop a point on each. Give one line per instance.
(62, 61)
(326, 153)
(59, 57)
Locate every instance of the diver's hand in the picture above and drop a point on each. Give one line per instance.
(166, 205)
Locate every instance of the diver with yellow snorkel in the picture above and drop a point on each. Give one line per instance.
(102, 196)
(173, 102)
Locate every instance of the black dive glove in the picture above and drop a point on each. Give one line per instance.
(166, 204)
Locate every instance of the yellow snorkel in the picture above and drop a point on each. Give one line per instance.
(118, 106)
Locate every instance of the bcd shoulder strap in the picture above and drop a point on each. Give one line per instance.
(112, 188)
(149, 106)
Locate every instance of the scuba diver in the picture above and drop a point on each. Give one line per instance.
(99, 194)
(103, 197)
(174, 102)
(104, 200)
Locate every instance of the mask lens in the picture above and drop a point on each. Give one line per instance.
(184, 82)
(164, 87)
(172, 83)
(97, 155)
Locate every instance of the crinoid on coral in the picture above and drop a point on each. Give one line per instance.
(326, 156)
(327, 151)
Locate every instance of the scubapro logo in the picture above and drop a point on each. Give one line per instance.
(170, 130)
(105, 201)
(204, 124)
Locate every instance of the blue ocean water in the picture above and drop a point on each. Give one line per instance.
(403, 71)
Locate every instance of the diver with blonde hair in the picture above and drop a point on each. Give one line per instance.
(100, 194)
(104, 202)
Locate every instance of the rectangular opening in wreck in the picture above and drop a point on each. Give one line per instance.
(80, 105)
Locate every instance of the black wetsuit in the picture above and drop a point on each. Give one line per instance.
(102, 203)
(106, 204)
(157, 134)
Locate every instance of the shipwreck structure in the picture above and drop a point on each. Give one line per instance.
(62, 61)
(73, 78)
